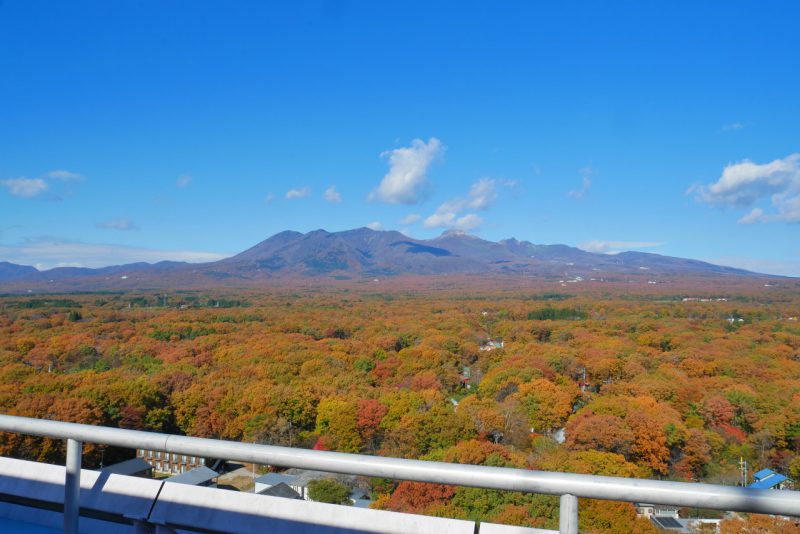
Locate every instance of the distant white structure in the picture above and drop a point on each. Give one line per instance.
(493, 344)
(647, 510)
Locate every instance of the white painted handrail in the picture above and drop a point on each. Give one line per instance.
(501, 478)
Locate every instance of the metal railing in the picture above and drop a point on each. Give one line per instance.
(568, 486)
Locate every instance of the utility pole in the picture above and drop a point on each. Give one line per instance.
(743, 470)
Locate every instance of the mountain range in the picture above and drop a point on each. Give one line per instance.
(364, 253)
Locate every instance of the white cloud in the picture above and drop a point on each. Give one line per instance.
(746, 183)
(586, 182)
(454, 205)
(25, 187)
(467, 222)
(406, 181)
(756, 215)
(298, 193)
(732, 127)
(47, 253)
(117, 224)
(375, 225)
(482, 194)
(183, 180)
(480, 197)
(332, 195)
(31, 187)
(64, 176)
(450, 220)
(615, 247)
(439, 220)
(411, 218)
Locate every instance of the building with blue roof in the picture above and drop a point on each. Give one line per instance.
(764, 473)
(768, 479)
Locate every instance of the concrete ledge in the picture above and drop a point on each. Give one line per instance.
(494, 528)
(33, 492)
(103, 493)
(228, 511)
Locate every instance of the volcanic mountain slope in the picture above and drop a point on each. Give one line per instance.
(12, 271)
(371, 252)
(352, 251)
(365, 252)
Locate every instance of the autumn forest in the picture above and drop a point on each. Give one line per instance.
(676, 384)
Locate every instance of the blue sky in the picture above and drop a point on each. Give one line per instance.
(192, 130)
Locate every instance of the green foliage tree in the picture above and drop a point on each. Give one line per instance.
(329, 490)
(336, 420)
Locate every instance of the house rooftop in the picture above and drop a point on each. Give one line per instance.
(273, 479)
(768, 482)
(280, 490)
(301, 477)
(128, 467)
(357, 494)
(668, 523)
(764, 473)
(195, 477)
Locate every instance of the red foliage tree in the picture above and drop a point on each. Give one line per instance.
(416, 497)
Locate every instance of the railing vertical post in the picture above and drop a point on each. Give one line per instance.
(568, 515)
(72, 486)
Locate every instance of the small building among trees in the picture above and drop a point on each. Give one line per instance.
(768, 479)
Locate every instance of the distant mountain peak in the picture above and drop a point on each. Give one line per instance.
(363, 252)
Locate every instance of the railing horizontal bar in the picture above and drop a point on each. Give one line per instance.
(501, 478)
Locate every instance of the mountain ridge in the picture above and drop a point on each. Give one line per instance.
(363, 252)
